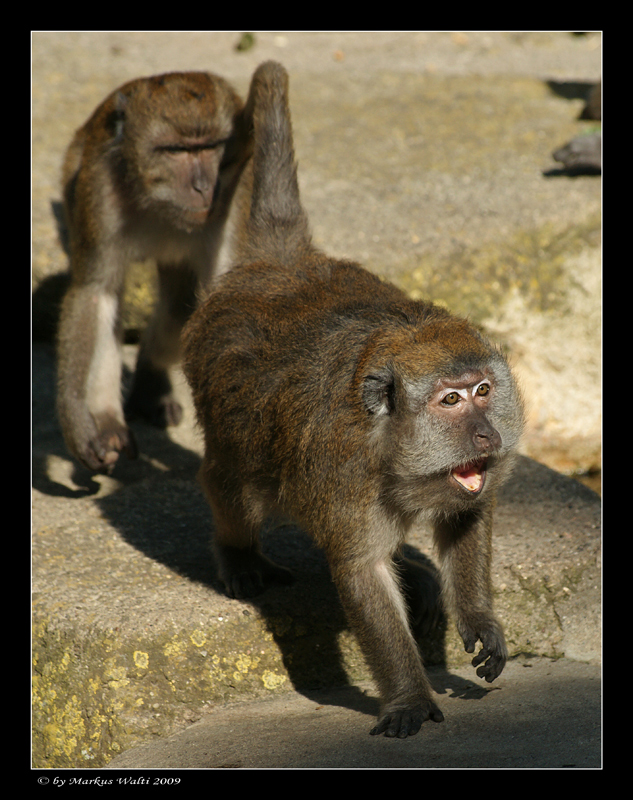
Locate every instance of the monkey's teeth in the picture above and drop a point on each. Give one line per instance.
(471, 476)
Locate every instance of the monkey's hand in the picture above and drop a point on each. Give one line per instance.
(403, 722)
(100, 450)
(493, 655)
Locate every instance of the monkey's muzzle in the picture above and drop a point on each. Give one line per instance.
(471, 476)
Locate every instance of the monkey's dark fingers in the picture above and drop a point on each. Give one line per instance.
(470, 641)
(493, 666)
(406, 722)
(244, 585)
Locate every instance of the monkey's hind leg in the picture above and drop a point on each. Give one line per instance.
(422, 590)
(246, 572)
(242, 568)
(152, 395)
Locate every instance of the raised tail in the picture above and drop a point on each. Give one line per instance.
(277, 227)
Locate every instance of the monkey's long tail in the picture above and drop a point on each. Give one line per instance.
(277, 227)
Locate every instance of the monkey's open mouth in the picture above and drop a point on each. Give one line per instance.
(471, 476)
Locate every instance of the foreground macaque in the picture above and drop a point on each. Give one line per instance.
(150, 174)
(327, 395)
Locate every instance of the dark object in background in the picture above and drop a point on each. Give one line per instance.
(593, 108)
(581, 156)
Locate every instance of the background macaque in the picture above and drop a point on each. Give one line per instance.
(326, 394)
(150, 174)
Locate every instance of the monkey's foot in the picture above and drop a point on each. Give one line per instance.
(247, 573)
(405, 722)
(152, 398)
(163, 412)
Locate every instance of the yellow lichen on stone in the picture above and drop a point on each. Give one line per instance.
(65, 730)
(141, 659)
(198, 638)
(174, 648)
(216, 672)
(245, 662)
(273, 680)
(114, 675)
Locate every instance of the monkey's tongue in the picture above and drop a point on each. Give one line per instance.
(471, 476)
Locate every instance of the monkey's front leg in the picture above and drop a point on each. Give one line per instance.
(375, 608)
(465, 545)
(89, 378)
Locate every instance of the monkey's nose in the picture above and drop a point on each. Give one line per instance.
(487, 440)
(202, 186)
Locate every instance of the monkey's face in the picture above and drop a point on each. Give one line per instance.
(458, 412)
(448, 435)
(175, 131)
(181, 179)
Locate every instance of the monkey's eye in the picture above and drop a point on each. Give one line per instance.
(451, 398)
(190, 148)
(483, 389)
(172, 148)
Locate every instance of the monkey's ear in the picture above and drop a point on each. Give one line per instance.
(117, 117)
(379, 392)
